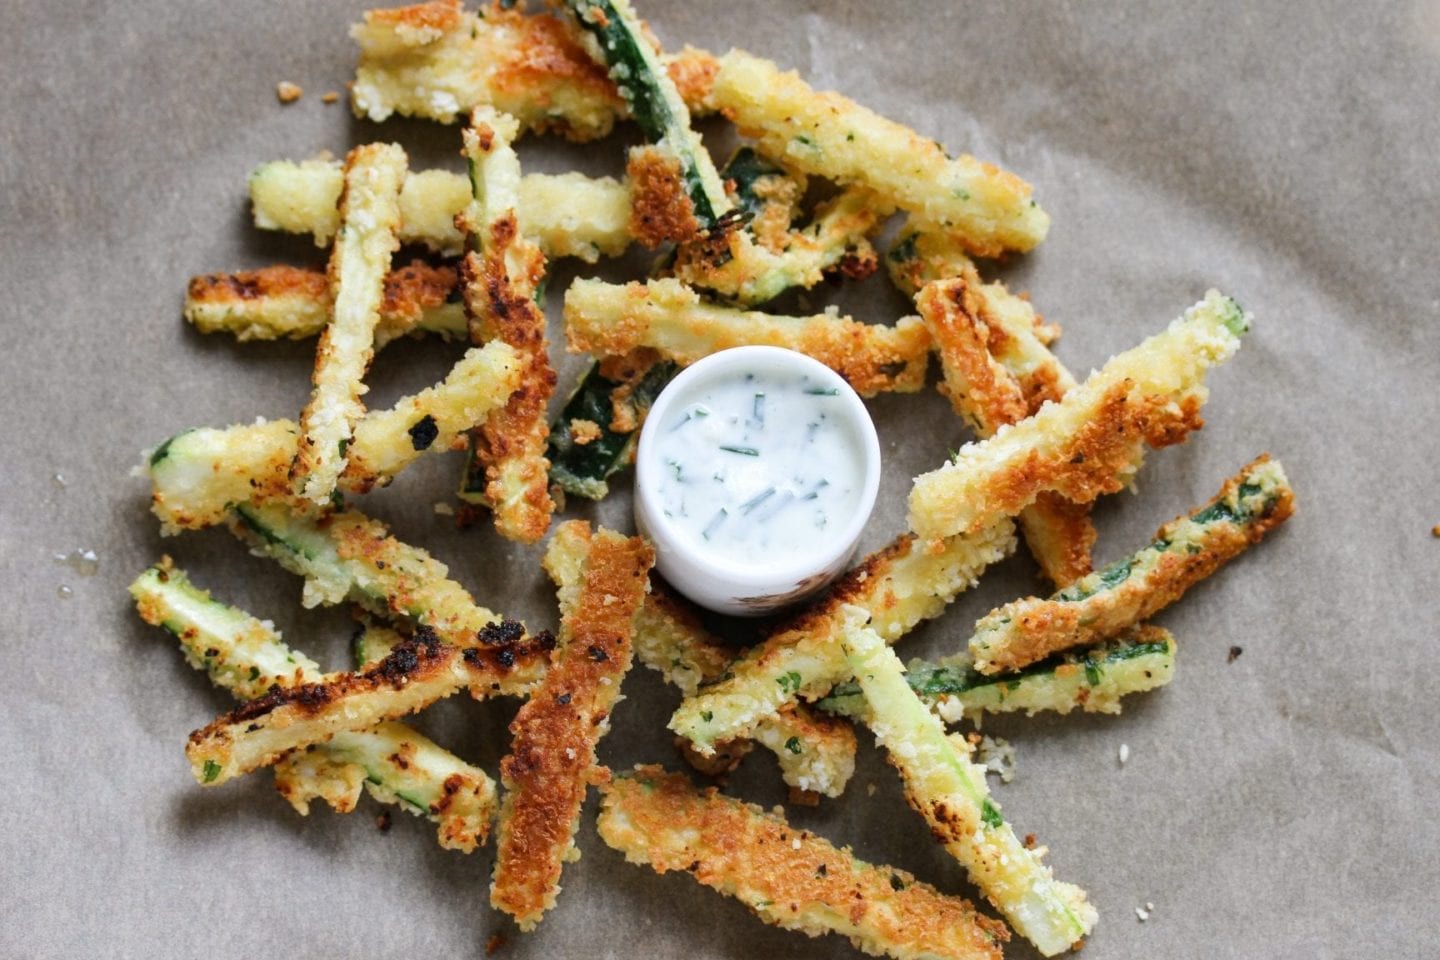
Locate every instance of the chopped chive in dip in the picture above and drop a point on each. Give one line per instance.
(760, 465)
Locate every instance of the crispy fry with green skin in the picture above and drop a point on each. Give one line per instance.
(415, 675)
(558, 728)
(1142, 658)
(789, 878)
(610, 320)
(970, 337)
(289, 303)
(198, 475)
(1185, 551)
(437, 61)
(614, 37)
(359, 263)
(944, 787)
(901, 585)
(508, 471)
(393, 762)
(1093, 440)
(567, 214)
(987, 209)
(814, 753)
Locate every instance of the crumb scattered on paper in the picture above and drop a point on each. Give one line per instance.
(287, 92)
(1124, 753)
(495, 942)
(330, 96)
(444, 509)
(1142, 914)
(997, 755)
(1234, 654)
(382, 822)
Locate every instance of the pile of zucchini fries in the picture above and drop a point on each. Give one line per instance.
(731, 239)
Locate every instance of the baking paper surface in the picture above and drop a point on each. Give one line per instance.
(1277, 806)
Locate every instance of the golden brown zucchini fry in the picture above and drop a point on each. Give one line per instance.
(1092, 441)
(284, 302)
(1097, 607)
(969, 335)
(789, 878)
(985, 208)
(556, 731)
(509, 472)
(610, 320)
(369, 216)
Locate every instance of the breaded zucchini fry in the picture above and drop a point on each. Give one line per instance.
(558, 728)
(1093, 440)
(950, 792)
(199, 474)
(814, 754)
(970, 336)
(1142, 658)
(1185, 551)
(283, 302)
(369, 217)
(789, 878)
(507, 471)
(567, 214)
(899, 586)
(610, 320)
(395, 764)
(416, 674)
(981, 206)
(615, 38)
(436, 61)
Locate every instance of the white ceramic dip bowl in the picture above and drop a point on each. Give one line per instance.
(756, 471)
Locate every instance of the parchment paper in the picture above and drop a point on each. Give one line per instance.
(1277, 806)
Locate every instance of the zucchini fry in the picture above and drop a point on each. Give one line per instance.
(610, 320)
(395, 764)
(288, 303)
(1141, 658)
(199, 474)
(558, 728)
(595, 434)
(756, 257)
(815, 754)
(437, 61)
(1093, 440)
(416, 674)
(971, 337)
(788, 878)
(507, 471)
(986, 209)
(944, 787)
(615, 38)
(899, 586)
(1185, 551)
(369, 216)
(567, 214)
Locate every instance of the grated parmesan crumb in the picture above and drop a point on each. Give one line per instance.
(1124, 753)
(1142, 914)
(997, 755)
(288, 92)
(444, 509)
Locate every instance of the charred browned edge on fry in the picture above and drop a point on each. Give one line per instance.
(850, 587)
(420, 657)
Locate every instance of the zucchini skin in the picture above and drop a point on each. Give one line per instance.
(582, 469)
(652, 98)
(1092, 681)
